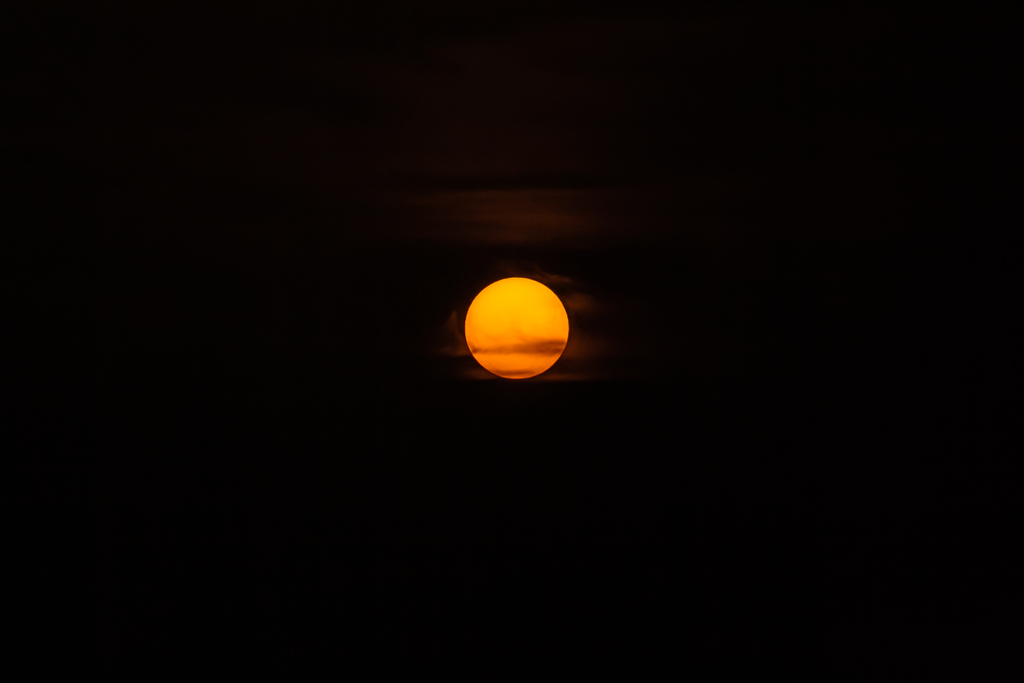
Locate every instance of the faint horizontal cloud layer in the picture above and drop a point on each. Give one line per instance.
(572, 216)
(583, 130)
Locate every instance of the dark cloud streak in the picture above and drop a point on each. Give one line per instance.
(541, 347)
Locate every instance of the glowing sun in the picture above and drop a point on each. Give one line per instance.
(516, 328)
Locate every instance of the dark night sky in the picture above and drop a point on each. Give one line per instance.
(778, 436)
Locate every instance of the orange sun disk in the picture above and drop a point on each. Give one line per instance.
(516, 328)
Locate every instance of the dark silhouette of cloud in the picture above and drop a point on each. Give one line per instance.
(542, 347)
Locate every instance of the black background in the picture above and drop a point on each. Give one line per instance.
(244, 240)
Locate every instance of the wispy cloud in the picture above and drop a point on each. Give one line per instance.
(540, 347)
